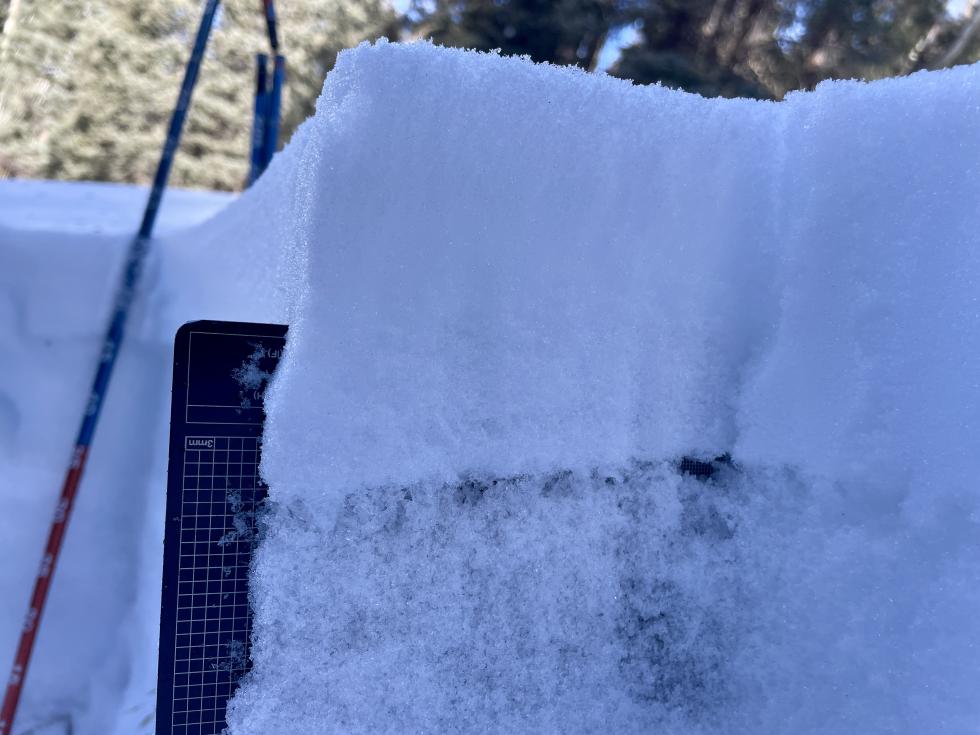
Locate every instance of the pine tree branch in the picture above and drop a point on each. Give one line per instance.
(911, 62)
(966, 34)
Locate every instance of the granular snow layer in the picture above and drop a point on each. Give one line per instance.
(524, 293)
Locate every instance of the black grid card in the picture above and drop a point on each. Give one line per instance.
(221, 370)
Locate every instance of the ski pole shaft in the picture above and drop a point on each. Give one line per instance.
(110, 349)
(256, 162)
(270, 24)
(273, 111)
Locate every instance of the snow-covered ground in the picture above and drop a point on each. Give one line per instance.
(517, 295)
(88, 208)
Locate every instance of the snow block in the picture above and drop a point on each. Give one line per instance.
(522, 295)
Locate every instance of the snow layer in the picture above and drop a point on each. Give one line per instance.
(499, 285)
(524, 291)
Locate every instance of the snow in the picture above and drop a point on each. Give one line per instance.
(98, 208)
(552, 286)
(868, 376)
(508, 606)
(539, 267)
(517, 295)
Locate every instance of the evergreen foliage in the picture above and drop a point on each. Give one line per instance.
(87, 87)
(760, 48)
(557, 31)
(747, 48)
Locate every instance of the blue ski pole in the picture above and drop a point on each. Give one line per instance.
(257, 156)
(273, 108)
(110, 349)
(270, 24)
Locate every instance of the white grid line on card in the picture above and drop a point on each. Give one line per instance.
(211, 644)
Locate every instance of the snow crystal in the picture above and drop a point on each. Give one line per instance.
(524, 292)
(526, 604)
(250, 375)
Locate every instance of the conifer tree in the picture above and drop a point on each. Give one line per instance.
(761, 48)
(87, 86)
(745, 48)
(562, 32)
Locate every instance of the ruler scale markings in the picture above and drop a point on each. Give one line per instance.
(214, 490)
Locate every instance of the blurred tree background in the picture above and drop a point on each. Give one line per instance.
(728, 48)
(86, 86)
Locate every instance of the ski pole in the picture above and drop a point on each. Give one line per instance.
(110, 349)
(270, 23)
(273, 110)
(256, 155)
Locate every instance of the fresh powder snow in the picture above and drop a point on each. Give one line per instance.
(517, 296)
(524, 292)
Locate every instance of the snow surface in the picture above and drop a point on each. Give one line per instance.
(524, 292)
(91, 208)
(517, 294)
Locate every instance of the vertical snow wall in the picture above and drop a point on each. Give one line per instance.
(522, 292)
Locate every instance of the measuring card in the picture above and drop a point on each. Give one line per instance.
(221, 370)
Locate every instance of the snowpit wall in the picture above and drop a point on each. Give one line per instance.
(522, 291)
